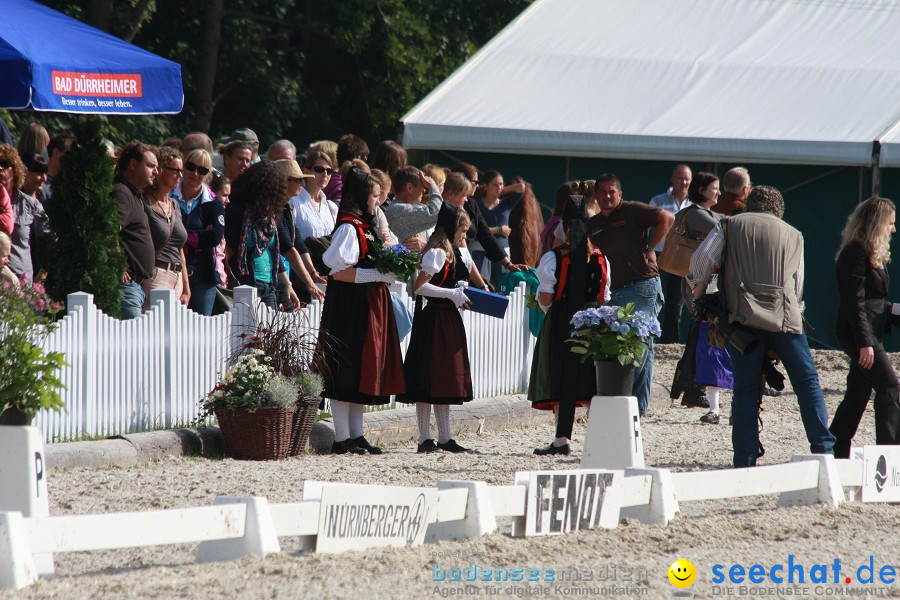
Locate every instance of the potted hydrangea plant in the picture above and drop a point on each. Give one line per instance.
(616, 338)
(30, 381)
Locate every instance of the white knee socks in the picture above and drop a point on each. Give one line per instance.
(423, 418)
(340, 414)
(442, 418)
(712, 394)
(356, 420)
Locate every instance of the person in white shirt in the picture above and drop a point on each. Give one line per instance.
(316, 215)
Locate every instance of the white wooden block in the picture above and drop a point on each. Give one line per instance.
(851, 473)
(17, 568)
(477, 517)
(451, 503)
(613, 439)
(23, 471)
(750, 481)
(259, 533)
(508, 500)
(828, 488)
(636, 489)
(663, 504)
(75, 533)
(295, 518)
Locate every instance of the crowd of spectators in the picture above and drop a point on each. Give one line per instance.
(199, 218)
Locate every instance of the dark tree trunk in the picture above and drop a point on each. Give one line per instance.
(209, 59)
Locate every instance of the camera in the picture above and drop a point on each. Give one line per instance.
(711, 308)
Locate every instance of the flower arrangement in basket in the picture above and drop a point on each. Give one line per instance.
(30, 381)
(269, 373)
(396, 259)
(613, 333)
(251, 384)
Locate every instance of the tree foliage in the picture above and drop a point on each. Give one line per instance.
(293, 68)
(84, 217)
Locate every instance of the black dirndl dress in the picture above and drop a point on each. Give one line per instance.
(358, 350)
(552, 350)
(437, 359)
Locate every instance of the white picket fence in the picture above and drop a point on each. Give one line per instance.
(238, 526)
(151, 372)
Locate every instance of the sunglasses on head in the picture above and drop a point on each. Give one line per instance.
(192, 167)
(321, 169)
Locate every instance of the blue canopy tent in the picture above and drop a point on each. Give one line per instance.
(73, 67)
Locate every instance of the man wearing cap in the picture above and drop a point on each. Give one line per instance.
(31, 222)
(245, 135)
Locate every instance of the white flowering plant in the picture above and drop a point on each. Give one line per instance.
(613, 333)
(250, 384)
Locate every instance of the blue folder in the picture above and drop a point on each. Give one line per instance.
(487, 303)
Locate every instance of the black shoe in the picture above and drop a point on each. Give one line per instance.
(345, 447)
(427, 446)
(767, 391)
(451, 446)
(362, 444)
(552, 449)
(711, 418)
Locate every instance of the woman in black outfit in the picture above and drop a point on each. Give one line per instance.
(864, 316)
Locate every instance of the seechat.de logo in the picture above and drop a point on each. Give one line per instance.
(682, 573)
(880, 473)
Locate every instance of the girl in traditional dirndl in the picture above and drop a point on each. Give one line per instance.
(359, 350)
(572, 276)
(437, 360)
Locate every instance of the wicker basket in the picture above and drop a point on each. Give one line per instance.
(261, 435)
(304, 417)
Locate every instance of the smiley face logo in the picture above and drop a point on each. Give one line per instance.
(682, 573)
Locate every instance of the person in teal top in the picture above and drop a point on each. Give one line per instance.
(251, 232)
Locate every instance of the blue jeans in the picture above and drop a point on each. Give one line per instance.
(793, 349)
(647, 297)
(203, 296)
(132, 299)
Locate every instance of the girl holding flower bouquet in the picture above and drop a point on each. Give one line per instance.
(359, 351)
(572, 275)
(437, 361)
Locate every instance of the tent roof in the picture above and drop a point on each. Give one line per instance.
(50, 61)
(783, 81)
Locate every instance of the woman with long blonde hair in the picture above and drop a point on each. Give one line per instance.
(864, 314)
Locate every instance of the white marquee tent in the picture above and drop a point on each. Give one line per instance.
(757, 81)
